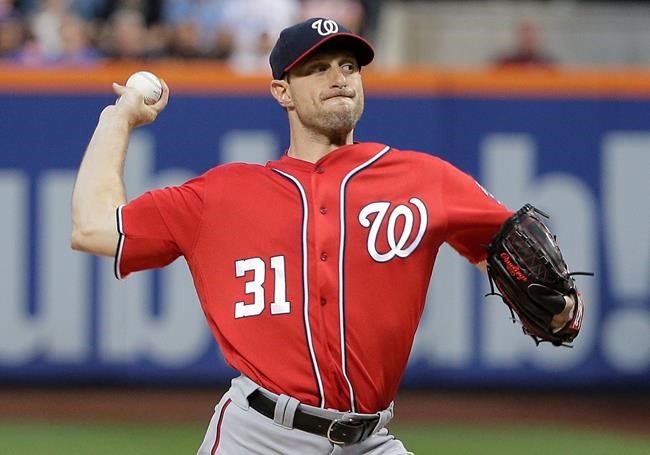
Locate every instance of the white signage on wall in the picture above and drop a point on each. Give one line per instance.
(47, 289)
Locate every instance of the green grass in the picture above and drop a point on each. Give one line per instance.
(29, 438)
(516, 440)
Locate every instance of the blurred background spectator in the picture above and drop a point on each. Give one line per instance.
(254, 25)
(241, 32)
(13, 30)
(528, 49)
(130, 29)
(149, 9)
(45, 21)
(48, 32)
(197, 29)
(125, 36)
(76, 47)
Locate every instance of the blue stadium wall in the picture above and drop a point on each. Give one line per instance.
(583, 159)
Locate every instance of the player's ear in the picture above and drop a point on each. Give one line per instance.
(280, 91)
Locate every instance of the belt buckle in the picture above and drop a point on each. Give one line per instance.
(349, 422)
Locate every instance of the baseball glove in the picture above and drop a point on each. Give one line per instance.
(526, 265)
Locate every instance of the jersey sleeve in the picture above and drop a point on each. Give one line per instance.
(473, 215)
(158, 227)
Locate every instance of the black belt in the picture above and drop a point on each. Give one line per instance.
(344, 430)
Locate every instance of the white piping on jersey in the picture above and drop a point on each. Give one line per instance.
(305, 277)
(341, 278)
(120, 243)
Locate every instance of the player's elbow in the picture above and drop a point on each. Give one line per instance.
(93, 240)
(80, 239)
(94, 231)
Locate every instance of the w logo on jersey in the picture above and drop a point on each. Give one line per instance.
(397, 241)
(325, 27)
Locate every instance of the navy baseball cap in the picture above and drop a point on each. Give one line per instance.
(299, 41)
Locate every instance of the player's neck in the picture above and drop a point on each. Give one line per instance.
(312, 146)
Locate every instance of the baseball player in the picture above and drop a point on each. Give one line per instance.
(312, 270)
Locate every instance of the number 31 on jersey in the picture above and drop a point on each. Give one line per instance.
(279, 305)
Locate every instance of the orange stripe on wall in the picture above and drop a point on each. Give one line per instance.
(214, 78)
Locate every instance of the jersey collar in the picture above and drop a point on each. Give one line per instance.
(347, 156)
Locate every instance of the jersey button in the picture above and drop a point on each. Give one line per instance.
(323, 300)
(323, 210)
(320, 170)
(323, 256)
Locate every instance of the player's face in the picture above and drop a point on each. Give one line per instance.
(327, 92)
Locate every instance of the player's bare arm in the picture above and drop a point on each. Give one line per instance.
(99, 187)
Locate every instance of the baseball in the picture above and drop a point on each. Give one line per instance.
(147, 84)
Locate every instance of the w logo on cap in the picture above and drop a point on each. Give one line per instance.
(325, 26)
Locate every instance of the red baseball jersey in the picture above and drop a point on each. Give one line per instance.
(313, 276)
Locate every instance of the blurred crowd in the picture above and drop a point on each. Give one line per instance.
(85, 32)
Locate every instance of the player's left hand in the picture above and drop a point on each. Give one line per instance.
(560, 320)
(526, 265)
